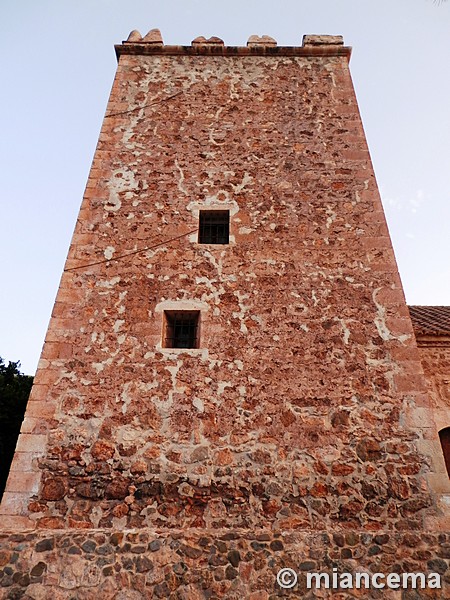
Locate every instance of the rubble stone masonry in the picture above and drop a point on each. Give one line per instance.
(299, 432)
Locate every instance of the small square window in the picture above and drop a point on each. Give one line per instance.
(181, 329)
(214, 227)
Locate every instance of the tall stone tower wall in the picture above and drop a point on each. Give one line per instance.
(294, 429)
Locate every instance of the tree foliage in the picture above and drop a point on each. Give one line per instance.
(14, 391)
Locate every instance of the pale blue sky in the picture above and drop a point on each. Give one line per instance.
(57, 68)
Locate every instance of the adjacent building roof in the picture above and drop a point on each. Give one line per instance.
(430, 320)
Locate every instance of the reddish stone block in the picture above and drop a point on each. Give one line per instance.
(40, 410)
(51, 523)
(53, 488)
(23, 462)
(23, 482)
(15, 523)
(31, 442)
(14, 503)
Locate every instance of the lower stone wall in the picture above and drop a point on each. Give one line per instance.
(197, 565)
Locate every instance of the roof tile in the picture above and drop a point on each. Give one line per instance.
(430, 320)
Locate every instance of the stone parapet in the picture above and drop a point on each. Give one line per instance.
(312, 45)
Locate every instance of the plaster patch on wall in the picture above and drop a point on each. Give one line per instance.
(108, 283)
(108, 252)
(380, 322)
(331, 216)
(216, 262)
(345, 330)
(173, 370)
(243, 309)
(117, 325)
(198, 404)
(121, 181)
(215, 292)
(222, 385)
(100, 366)
(181, 187)
(247, 179)
(125, 397)
(120, 307)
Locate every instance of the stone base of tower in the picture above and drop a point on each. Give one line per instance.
(199, 564)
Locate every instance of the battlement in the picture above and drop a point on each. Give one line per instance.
(312, 45)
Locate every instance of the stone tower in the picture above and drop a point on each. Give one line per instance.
(230, 382)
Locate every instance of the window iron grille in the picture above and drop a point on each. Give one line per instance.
(181, 329)
(214, 227)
